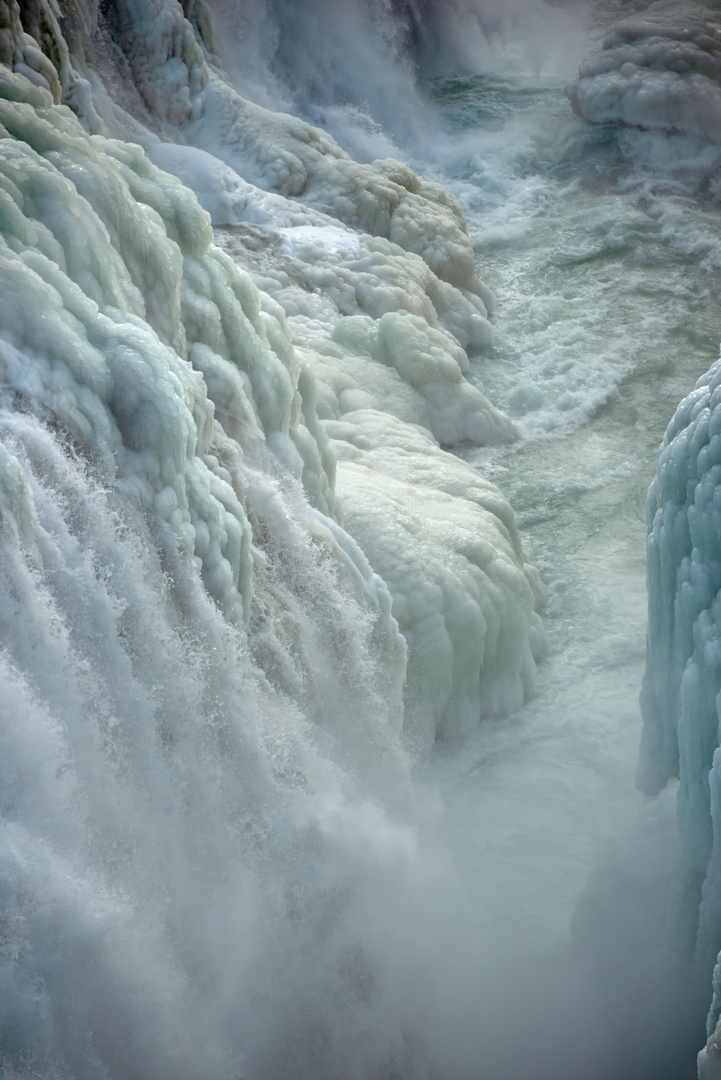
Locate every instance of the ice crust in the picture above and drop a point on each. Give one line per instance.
(659, 69)
(328, 324)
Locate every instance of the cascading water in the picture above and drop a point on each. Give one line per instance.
(258, 584)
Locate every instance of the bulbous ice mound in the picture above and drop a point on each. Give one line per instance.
(352, 292)
(445, 541)
(660, 69)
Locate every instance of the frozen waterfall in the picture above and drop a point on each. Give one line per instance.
(273, 800)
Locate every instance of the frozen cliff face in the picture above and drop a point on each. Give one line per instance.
(327, 324)
(124, 323)
(681, 699)
(658, 69)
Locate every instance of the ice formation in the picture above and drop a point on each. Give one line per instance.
(658, 69)
(233, 539)
(681, 699)
(367, 312)
(709, 1061)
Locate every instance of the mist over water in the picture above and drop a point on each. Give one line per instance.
(362, 65)
(287, 887)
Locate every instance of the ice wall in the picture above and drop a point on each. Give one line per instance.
(681, 698)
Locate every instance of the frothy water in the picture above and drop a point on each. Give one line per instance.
(602, 246)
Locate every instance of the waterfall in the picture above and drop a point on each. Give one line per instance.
(273, 800)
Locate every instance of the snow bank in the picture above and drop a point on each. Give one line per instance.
(658, 69)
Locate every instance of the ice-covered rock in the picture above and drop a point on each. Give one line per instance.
(115, 258)
(371, 320)
(186, 97)
(660, 68)
(381, 334)
(709, 1063)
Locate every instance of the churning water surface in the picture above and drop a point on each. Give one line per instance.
(603, 247)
